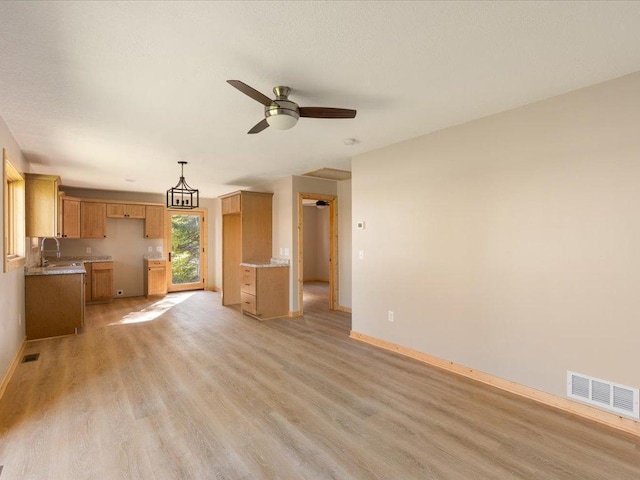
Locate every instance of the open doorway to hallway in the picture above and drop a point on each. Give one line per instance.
(317, 272)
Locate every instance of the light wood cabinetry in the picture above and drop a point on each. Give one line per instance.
(154, 221)
(99, 282)
(69, 217)
(265, 291)
(41, 205)
(231, 204)
(246, 237)
(155, 277)
(125, 210)
(93, 220)
(54, 305)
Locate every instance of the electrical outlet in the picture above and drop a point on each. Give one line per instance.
(159, 249)
(119, 293)
(88, 249)
(281, 251)
(150, 249)
(390, 316)
(286, 252)
(361, 254)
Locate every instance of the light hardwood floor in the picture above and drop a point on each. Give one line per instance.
(186, 389)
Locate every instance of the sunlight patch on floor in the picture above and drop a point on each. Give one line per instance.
(154, 311)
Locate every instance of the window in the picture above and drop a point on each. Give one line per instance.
(14, 239)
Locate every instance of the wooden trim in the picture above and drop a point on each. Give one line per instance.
(10, 173)
(210, 288)
(340, 308)
(251, 192)
(12, 368)
(332, 200)
(605, 418)
(295, 314)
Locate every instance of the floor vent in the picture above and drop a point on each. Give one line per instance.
(610, 396)
(32, 357)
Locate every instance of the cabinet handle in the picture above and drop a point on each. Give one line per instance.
(247, 284)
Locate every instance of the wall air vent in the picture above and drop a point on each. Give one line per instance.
(610, 396)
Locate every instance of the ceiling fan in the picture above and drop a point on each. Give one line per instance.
(282, 113)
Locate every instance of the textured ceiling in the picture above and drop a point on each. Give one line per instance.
(112, 94)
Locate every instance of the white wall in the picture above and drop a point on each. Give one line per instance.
(510, 244)
(12, 332)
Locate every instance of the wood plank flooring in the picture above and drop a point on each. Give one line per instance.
(184, 388)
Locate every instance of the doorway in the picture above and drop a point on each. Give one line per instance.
(186, 234)
(322, 292)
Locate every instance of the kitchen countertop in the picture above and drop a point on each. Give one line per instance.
(81, 258)
(275, 262)
(65, 265)
(154, 256)
(55, 270)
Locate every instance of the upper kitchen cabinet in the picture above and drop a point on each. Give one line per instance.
(93, 220)
(41, 204)
(154, 221)
(124, 210)
(69, 217)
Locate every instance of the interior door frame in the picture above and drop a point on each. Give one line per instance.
(332, 200)
(202, 212)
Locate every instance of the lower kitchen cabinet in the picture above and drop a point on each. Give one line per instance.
(99, 282)
(54, 305)
(155, 278)
(264, 290)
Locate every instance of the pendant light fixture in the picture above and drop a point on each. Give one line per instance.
(182, 195)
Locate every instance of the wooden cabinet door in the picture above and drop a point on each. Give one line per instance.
(156, 281)
(93, 220)
(101, 281)
(231, 204)
(135, 211)
(123, 210)
(115, 210)
(70, 218)
(154, 222)
(41, 205)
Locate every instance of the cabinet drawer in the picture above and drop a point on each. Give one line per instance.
(248, 280)
(155, 263)
(248, 303)
(101, 266)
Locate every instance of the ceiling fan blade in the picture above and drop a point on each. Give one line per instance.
(326, 112)
(261, 125)
(251, 92)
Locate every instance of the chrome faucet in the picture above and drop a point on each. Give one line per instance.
(43, 262)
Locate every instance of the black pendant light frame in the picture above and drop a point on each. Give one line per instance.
(182, 195)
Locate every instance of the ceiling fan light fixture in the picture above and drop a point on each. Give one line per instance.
(280, 117)
(182, 196)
